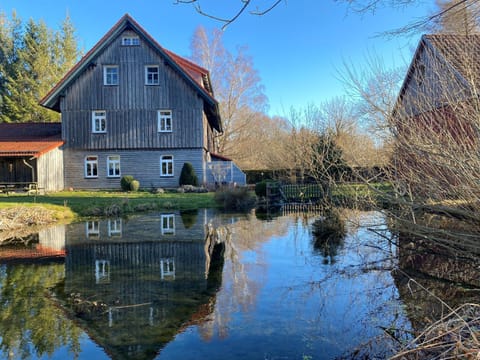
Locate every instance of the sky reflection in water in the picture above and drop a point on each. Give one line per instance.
(279, 295)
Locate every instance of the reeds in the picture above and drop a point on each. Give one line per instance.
(454, 336)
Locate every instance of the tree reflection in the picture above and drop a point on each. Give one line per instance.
(30, 323)
(242, 279)
(329, 233)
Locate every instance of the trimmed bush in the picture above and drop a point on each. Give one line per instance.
(261, 188)
(125, 182)
(135, 185)
(128, 183)
(235, 199)
(188, 176)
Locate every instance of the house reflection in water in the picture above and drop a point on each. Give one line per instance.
(136, 283)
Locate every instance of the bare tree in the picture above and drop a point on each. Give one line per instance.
(457, 17)
(237, 87)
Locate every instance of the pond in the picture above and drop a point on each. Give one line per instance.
(202, 284)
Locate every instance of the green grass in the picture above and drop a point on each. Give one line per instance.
(98, 203)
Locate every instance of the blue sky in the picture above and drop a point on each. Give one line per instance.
(298, 48)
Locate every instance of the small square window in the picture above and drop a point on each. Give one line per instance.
(166, 165)
(110, 75)
(164, 121)
(91, 166)
(152, 75)
(99, 121)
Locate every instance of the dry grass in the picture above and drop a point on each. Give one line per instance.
(454, 336)
(19, 217)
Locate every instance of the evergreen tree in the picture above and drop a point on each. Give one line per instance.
(36, 59)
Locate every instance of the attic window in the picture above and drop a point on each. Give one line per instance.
(130, 41)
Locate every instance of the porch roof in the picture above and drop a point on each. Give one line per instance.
(29, 139)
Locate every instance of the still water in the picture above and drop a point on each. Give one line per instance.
(150, 286)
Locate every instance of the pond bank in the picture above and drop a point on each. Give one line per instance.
(104, 203)
(14, 217)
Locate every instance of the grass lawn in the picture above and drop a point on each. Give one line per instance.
(99, 203)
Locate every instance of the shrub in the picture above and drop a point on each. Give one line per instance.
(261, 187)
(235, 199)
(135, 185)
(128, 183)
(188, 176)
(125, 182)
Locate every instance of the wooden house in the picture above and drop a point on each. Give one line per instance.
(435, 117)
(30, 153)
(131, 107)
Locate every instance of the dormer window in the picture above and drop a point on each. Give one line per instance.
(130, 41)
(152, 75)
(110, 75)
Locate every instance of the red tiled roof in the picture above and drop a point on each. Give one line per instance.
(29, 139)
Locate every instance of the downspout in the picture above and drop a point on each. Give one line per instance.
(31, 167)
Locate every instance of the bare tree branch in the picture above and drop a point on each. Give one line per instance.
(228, 20)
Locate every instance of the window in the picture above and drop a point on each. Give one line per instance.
(166, 165)
(92, 228)
(99, 121)
(164, 121)
(151, 75)
(168, 224)
(167, 268)
(102, 271)
(110, 75)
(130, 41)
(115, 227)
(113, 166)
(91, 166)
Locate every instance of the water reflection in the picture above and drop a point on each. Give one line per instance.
(135, 283)
(207, 285)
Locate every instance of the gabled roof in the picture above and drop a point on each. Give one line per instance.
(458, 53)
(195, 75)
(29, 139)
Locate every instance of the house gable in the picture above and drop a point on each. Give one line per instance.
(443, 70)
(194, 76)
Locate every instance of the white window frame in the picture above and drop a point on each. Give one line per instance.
(167, 268)
(113, 166)
(114, 227)
(165, 120)
(92, 228)
(167, 222)
(102, 271)
(99, 121)
(91, 166)
(110, 79)
(152, 78)
(130, 40)
(166, 160)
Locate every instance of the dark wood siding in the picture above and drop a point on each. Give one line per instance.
(131, 106)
